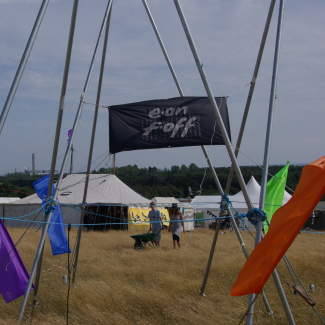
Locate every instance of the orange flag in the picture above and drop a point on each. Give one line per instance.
(286, 223)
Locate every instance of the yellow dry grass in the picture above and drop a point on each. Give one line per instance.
(118, 285)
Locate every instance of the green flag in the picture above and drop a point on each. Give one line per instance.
(274, 194)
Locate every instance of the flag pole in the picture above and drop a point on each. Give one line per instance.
(22, 63)
(84, 200)
(209, 163)
(64, 163)
(266, 169)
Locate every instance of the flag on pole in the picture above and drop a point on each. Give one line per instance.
(13, 274)
(69, 135)
(274, 194)
(56, 231)
(286, 224)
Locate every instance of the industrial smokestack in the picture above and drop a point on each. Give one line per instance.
(33, 163)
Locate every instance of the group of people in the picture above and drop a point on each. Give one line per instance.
(175, 227)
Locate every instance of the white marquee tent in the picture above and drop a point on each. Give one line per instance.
(103, 190)
(8, 199)
(165, 200)
(210, 204)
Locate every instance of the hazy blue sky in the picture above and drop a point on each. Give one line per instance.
(136, 70)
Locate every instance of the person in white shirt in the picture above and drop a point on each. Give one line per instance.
(156, 223)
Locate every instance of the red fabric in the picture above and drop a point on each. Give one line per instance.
(285, 225)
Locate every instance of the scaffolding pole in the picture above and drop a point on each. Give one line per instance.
(251, 90)
(64, 163)
(58, 128)
(265, 173)
(209, 163)
(84, 200)
(22, 63)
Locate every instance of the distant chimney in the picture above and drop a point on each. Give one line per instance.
(33, 163)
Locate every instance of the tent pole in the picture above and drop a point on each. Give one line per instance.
(92, 143)
(251, 89)
(120, 217)
(207, 158)
(58, 128)
(64, 163)
(22, 63)
(266, 169)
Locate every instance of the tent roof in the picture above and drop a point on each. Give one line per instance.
(8, 199)
(238, 201)
(165, 200)
(102, 188)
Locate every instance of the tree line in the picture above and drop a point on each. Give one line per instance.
(151, 182)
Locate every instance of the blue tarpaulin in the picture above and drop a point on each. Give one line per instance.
(56, 232)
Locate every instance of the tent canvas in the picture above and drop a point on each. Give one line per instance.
(165, 200)
(211, 203)
(103, 189)
(8, 199)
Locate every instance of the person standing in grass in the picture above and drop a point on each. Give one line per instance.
(177, 226)
(156, 223)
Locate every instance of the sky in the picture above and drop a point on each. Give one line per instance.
(227, 35)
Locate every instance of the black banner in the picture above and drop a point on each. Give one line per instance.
(164, 123)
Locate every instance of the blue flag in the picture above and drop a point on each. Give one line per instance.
(56, 231)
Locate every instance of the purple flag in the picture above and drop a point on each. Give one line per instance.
(69, 133)
(13, 274)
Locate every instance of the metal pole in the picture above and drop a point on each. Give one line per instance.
(84, 200)
(63, 93)
(210, 165)
(58, 129)
(265, 172)
(216, 233)
(251, 90)
(71, 163)
(64, 163)
(22, 63)
(243, 246)
(163, 48)
(214, 105)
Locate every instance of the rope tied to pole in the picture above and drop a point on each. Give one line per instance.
(255, 215)
(50, 205)
(226, 204)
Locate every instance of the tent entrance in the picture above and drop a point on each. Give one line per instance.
(103, 217)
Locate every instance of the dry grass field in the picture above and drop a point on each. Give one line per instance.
(118, 285)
